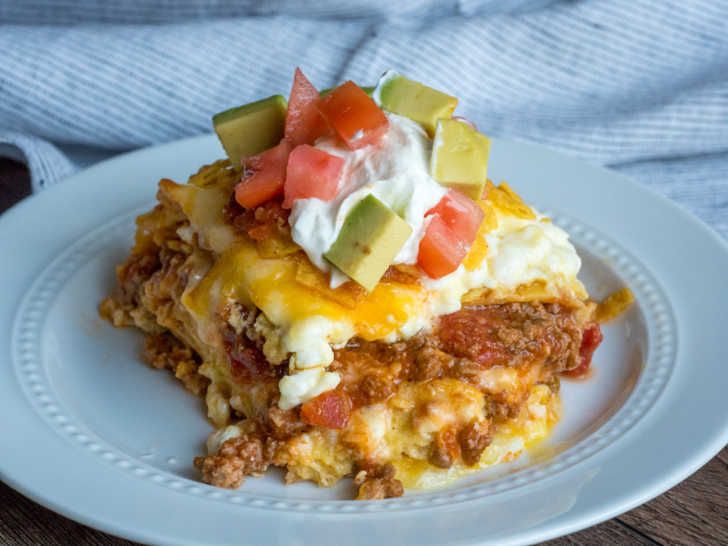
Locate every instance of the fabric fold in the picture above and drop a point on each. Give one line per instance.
(46, 163)
(618, 83)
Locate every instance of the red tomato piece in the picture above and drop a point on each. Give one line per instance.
(354, 116)
(265, 174)
(304, 123)
(461, 214)
(330, 409)
(590, 340)
(441, 251)
(311, 173)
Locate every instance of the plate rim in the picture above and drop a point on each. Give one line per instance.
(700, 456)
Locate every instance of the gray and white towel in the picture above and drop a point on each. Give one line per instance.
(637, 85)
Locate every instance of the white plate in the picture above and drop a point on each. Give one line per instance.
(90, 432)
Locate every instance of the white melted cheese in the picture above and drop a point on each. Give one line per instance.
(310, 341)
(519, 252)
(304, 385)
(396, 171)
(220, 436)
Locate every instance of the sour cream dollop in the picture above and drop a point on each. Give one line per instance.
(396, 171)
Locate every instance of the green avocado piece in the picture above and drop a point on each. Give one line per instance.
(370, 238)
(249, 129)
(409, 98)
(460, 157)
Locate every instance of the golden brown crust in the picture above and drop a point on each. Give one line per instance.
(614, 305)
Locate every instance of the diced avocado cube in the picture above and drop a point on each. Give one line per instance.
(460, 157)
(409, 98)
(249, 129)
(370, 238)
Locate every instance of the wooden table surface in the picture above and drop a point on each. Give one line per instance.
(693, 512)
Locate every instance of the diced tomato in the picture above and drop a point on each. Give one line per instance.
(304, 123)
(452, 230)
(265, 174)
(590, 340)
(354, 116)
(330, 409)
(311, 173)
(441, 251)
(461, 214)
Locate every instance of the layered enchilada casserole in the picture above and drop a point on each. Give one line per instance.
(353, 297)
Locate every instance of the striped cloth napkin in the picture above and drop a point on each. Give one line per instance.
(638, 85)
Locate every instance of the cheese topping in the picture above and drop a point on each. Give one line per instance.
(304, 385)
(520, 251)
